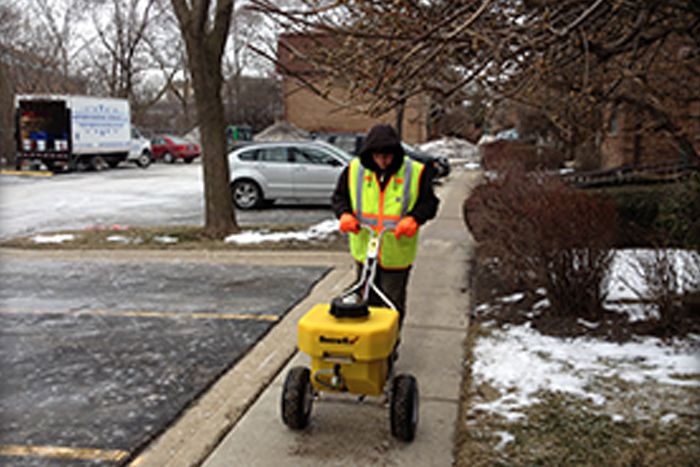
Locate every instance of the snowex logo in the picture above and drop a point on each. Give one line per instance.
(345, 340)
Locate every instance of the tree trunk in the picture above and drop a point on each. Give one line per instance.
(399, 118)
(220, 218)
(205, 47)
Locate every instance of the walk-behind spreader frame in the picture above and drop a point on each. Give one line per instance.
(352, 347)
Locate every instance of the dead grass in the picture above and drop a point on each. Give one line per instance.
(562, 430)
(188, 238)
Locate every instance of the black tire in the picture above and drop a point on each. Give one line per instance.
(246, 194)
(144, 160)
(297, 398)
(404, 407)
(188, 160)
(169, 158)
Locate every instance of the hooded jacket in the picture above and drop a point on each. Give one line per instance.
(384, 139)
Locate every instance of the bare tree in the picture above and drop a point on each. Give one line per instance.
(205, 29)
(585, 54)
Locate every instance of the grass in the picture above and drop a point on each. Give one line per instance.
(188, 238)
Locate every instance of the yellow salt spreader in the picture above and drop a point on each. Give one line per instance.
(353, 348)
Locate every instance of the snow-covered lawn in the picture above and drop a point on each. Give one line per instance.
(644, 385)
(520, 364)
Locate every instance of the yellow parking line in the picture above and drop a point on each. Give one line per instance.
(59, 452)
(146, 314)
(28, 173)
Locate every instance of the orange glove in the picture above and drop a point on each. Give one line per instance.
(407, 226)
(348, 223)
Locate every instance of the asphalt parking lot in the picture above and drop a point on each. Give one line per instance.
(99, 356)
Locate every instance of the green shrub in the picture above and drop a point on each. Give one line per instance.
(658, 214)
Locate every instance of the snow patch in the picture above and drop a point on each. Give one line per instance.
(318, 231)
(119, 239)
(668, 418)
(513, 298)
(60, 238)
(452, 148)
(519, 363)
(165, 239)
(505, 438)
(627, 277)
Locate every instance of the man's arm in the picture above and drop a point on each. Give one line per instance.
(340, 200)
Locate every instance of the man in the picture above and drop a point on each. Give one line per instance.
(386, 190)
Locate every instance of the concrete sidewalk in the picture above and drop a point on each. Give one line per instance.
(345, 432)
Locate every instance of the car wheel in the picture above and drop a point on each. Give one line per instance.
(246, 194)
(144, 160)
(169, 158)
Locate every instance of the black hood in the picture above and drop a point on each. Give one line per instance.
(384, 139)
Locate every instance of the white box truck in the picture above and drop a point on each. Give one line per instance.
(64, 131)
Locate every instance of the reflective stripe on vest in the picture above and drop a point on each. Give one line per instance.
(383, 210)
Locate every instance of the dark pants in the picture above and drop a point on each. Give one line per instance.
(393, 283)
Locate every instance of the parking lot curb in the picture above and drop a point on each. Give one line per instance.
(27, 173)
(250, 257)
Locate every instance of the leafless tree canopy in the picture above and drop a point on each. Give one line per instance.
(569, 58)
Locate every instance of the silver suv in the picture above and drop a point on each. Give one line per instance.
(264, 172)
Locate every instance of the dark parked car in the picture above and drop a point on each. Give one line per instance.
(440, 164)
(169, 148)
(352, 143)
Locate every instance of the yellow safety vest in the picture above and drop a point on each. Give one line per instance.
(383, 210)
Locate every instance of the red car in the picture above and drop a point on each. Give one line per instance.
(170, 148)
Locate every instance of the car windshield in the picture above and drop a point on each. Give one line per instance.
(178, 140)
(335, 150)
(408, 147)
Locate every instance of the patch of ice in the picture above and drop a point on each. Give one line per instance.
(482, 307)
(316, 232)
(543, 303)
(519, 362)
(59, 238)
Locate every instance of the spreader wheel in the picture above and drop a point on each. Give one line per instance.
(297, 398)
(404, 407)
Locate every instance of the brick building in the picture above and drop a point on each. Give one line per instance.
(627, 143)
(305, 109)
